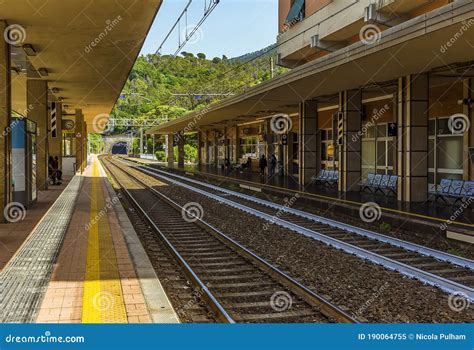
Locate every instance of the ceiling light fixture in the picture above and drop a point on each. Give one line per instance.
(29, 50)
(43, 72)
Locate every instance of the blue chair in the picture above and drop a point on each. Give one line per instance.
(441, 190)
(467, 191)
(392, 184)
(456, 188)
(383, 183)
(320, 176)
(334, 178)
(367, 184)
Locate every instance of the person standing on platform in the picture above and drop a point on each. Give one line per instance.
(262, 164)
(273, 164)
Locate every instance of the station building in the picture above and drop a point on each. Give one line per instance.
(63, 65)
(380, 87)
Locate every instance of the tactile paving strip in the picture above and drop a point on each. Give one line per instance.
(24, 280)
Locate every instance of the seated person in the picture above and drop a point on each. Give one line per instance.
(52, 174)
(59, 173)
(246, 165)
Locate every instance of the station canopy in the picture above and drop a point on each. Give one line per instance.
(87, 48)
(436, 41)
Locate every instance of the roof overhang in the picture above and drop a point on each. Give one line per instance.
(418, 45)
(88, 48)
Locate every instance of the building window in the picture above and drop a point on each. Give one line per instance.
(296, 13)
(445, 151)
(327, 148)
(69, 145)
(378, 151)
(249, 147)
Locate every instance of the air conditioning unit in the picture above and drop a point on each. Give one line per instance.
(370, 13)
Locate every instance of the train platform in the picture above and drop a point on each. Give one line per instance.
(14, 233)
(430, 215)
(76, 258)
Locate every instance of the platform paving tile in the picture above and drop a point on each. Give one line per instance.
(64, 300)
(27, 273)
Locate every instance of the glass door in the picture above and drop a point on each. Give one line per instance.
(386, 149)
(445, 152)
(379, 151)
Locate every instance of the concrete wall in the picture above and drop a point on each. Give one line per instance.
(37, 95)
(338, 24)
(5, 119)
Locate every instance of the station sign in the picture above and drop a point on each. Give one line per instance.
(392, 130)
(30, 126)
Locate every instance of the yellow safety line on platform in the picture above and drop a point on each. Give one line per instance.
(103, 299)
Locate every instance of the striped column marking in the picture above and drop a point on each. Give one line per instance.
(103, 298)
(54, 126)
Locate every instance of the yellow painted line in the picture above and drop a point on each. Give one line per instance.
(103, 299)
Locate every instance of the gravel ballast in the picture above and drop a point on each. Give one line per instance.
(367, 291)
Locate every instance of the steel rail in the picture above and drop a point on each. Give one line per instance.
(412, 272)
(324, 306)
(433, 253)
(221, 313)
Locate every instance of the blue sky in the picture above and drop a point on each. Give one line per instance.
(235, 27)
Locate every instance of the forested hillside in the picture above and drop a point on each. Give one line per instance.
(151, 89)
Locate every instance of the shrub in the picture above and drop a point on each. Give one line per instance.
(160, 156)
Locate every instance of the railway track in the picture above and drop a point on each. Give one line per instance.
(448, 272)
(237, 285)
(183, 295)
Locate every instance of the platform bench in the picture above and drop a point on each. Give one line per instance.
(456, 189)
(380, 182)
(327, 177)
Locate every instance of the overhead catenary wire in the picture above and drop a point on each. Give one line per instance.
(207, 12)
(208, 8)
(184, 12)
